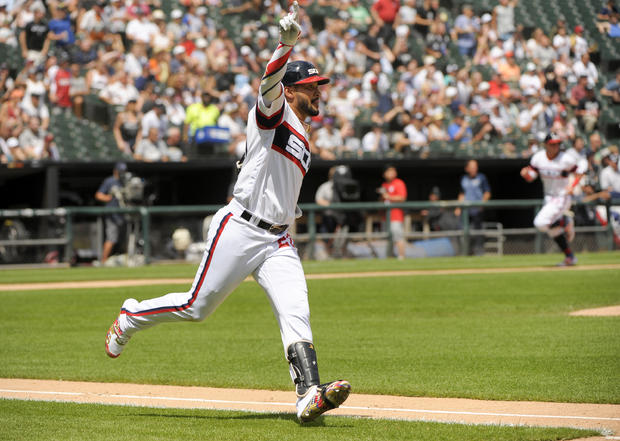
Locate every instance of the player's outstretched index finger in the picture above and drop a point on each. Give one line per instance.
(294, 10)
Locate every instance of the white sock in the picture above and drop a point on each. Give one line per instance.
(302, 402)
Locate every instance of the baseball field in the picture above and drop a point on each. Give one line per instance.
(435, 349)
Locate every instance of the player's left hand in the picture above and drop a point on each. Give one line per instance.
(289, 28)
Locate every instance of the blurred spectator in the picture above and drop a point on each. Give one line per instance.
(531, 118)
(61, 30)
(13, 151)
(325, 196)
(501, 120)
(97, 78)
(610, 176)
(161, 39)
(563, 126)
(579, 148)
(155, 118)
(375, 141)
(11, 110)
(126, 128)
(372, 46)
(33, 39)
(394, 189)
(49, 151)
(509, 70)
(60, 90)
(578, 92)
(77, 90)
(504, 14)
(483, 102)
(498, 89)
(437, 40)
(140, 28)
(474, 187)
(436, 131)
(31, 139)
(427, 11)
(584, 67)
(561, 41)
(611, 28)
(588, 110)
(91, 22)
(459, 130)
(384, 13)
(579, 45)
(115, 224)
(417, 136)
(612, 89)
(34, 105)
(119, 91)
(530, 82)
(327, 141)
(608, 10)
(174, 145)
(152, 148)
(595, 144)
(360, 15)
(483, 129)
(117, 18)
(201, 114)
(544, 54)
(352, 144)
(465, 28)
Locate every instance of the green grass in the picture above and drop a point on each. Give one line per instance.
(187, 270)
(26, 420)
(488, 336)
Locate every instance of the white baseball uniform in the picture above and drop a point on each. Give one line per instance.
(554, 174)
(276, 160)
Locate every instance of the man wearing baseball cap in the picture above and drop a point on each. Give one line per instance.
(560, 172)
(250, 234)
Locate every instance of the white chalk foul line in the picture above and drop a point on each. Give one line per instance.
(274, 403)
(462, 412)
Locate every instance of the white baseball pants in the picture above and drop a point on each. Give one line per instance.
(553, 210)
(235, 249)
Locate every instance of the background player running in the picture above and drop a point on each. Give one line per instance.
(249, 235)
(555, 167)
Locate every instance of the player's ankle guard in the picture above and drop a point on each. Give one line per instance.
(302, 358)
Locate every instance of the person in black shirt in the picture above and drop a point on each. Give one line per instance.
(33, 40)
(588, 110)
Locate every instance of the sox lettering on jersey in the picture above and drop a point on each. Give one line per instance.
(290, 143)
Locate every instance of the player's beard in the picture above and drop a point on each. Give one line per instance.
(305, 105)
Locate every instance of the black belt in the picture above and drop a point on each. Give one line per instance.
(273, 229)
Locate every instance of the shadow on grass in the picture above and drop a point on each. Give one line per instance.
(319, 422)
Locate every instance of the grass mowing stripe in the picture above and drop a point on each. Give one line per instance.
(27, 420)
(504, 336)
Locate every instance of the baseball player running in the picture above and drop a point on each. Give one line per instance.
(250, 234)
(554, 168)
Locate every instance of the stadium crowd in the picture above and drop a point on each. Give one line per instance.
(407, 76)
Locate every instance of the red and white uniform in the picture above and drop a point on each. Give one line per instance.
(276, 161)
(555, 174)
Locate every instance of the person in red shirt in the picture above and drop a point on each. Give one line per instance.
(395, 190)
(61, 96)
(384, 13)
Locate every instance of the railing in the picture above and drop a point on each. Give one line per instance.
(144, 214)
